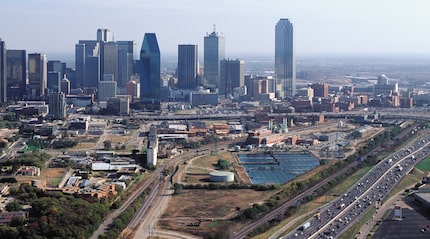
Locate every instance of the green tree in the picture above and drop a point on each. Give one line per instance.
(178, 188)
(223, 164)
(13, 206)
(107, 145)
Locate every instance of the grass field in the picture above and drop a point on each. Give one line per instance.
(424, 165)
(52, 176)
(358, 225)
(408, 181)
(345, 185)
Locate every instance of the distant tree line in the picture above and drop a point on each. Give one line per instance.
(178, 187)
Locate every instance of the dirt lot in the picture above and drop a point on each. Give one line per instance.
(211, 207)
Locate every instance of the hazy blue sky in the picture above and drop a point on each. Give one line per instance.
(320, 26)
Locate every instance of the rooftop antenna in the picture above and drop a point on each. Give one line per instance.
(214, 29)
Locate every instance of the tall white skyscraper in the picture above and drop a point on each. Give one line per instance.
(285, 66)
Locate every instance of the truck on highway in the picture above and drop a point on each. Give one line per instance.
(318, 216)
(341, 205)
(305, 226)
(390, 161)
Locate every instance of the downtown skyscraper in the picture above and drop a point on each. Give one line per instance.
(37, 75)
(150, 80)
(214, 53)
(87, 60)
(232, 76)
(16, 65)
(95, 58)
(187, 66)
(2, 71)
(285, 67)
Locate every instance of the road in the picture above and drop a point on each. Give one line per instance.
(373, 187)
(281, 209)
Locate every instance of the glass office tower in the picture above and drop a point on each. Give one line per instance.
(214, 53)
(285, 67)
(3, 97)
(37, 75)
(150, 80)
(187, 66)
(232, 76)
(16, 65)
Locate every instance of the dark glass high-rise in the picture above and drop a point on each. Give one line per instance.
(150, 80)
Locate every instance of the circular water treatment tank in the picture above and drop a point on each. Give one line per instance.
(221, 176)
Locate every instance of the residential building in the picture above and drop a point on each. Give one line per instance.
(285, 67)
(57, 105)
(187, 66)
(150, 80)
(320, 89)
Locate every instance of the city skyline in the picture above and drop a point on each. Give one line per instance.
(321, 27)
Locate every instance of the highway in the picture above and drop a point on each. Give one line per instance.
(369, 191)
(281, 209)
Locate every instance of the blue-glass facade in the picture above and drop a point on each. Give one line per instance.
(150, 81)
(285, 68)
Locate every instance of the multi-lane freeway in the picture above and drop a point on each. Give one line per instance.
(337, 217)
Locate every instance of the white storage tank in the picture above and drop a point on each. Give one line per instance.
(221, 176)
